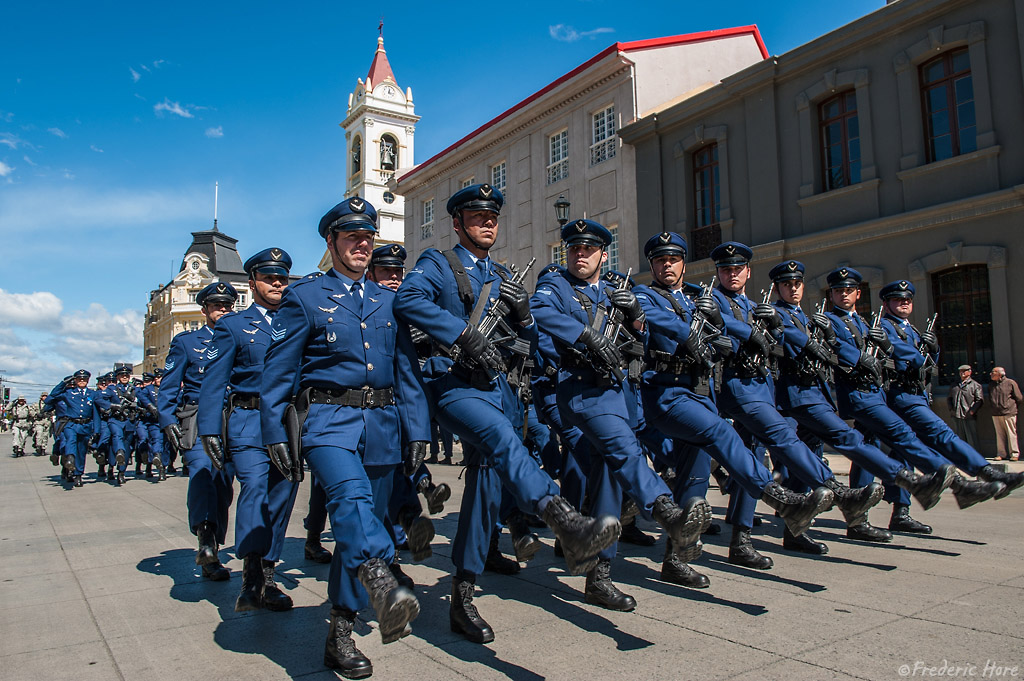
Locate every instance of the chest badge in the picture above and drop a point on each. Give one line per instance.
(331, 336)
(328, 310)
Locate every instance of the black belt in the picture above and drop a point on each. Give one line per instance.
(366, 398)
(81, 421)
(476, 377)
(245, 401)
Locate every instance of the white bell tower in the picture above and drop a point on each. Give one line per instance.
(379, 127)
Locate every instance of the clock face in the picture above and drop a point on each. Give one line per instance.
(388, 91)
(389, 197)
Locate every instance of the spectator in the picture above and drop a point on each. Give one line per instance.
(964, 401)
(1004, 394)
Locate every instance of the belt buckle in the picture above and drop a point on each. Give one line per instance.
(369, 399)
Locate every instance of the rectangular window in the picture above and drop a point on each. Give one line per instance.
(605, 140)
(242, 301)
(706, 233)
(964, 328)
(558, 156)
(427, 224)
(613, 252)
(558, 253)
(840, 141)
(465, 183)
(947, 103)
(193, 325)
(498, 176)
(192, 296)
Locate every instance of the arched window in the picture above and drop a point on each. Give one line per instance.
(388, 153)
(357, 155)
(947, 94)
(840, 141)
(964, 328)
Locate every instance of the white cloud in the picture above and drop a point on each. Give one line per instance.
(95, 148)
(5, 169)
(135, 75)
(29, 161)
(173, 107)
(39, 310)
(7, 116)
(569, 34)
(57, 132)
(215, 132)
(13, 141)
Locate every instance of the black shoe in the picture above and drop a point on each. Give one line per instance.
(184, 471)
(216, 572)
(557, 548)
(581, 538)
(721, 477)
(631, 534)
(802, 544)
(713, 529)
(273, 598)
(927, 489)
(447, 461)
(138, 470)
(743, 553)
(902, 522)
(207, 553)
(119, 459)
(314, 550)
(797, 510)
(400, 576)
(602, 591)
(463, 616)
(111, 474)
(162, 470)
(854, 503)
(684, 526)
(1011, 480)
(341, 653)
(675, 571)
(431, 459)
(525, 543)
(865, 531)
(435, 495)
(496, 561)
(970, 492)
(120, 478)
(251, 595)
(78, 481)
(171, 470)
(420, 531)
(395, 605)
(54, 458)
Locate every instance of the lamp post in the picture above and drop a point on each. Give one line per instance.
(562, 210)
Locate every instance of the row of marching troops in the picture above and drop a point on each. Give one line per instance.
(31, 427)
(644, 390)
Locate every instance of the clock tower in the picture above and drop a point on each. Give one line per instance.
(379, 128)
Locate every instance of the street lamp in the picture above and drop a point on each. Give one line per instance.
(562, 210)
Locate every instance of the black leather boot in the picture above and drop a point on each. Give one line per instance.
(161, 470)
(581, 538)
(207, 553)
(120, 478)
(54, 457)
(854, 502)
(400, 576)
(802, 544)
(1011, 480)
(797, 510)
(396, 606)
(435, 495)
(149, 470)
(119, 459)
(111, 473)
(496, 561)
(273, 598)
(927, 489)
(743, 553)
(420, 531)
(463, 616)
(675, 571)
(78, 481)
(525, 542)
(684, 526)
(215, 572)
(902, 522)
(865, 531)
(251, 595)
(138, 469)
(602, 591)
(970, 492)
(341, 653)
(631, 534)
(314, 550)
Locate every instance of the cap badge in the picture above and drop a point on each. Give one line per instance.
(276, 254)
(730, 249)
(843, 272)
(395, 249)
(792, 266)
(903, 285)
(357, 205)
(581, 226)
(221, 288)
(486, 191)
(664, 237)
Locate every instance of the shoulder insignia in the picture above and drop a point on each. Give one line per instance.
(168, 365)
(278, 334)
(328, 310)
(212, 352)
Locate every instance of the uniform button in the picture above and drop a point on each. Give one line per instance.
(366, 345)
(252, 340)
(330, 319)
(389, 323)
(362, 325)
(369, 367)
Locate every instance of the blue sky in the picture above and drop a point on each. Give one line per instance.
(116, 119)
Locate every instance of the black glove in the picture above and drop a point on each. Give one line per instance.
(479, 349)
(415, 453)
(517, 299)
(290, 467)
(817, 351)
(215, 450)
(699, 349)
(931, 341)
(768, 314)
(871, 367)
(758, 340)
(709, 308)
(630, 306)
(723, 346)
(602, 348)
(94, 440)
(153, 411)
(820, 320)
(174, 436)
(880, 338)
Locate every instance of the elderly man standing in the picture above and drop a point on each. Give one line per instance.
(964, 401)
(1004, 393)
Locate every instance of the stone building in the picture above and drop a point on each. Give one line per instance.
(562, 141)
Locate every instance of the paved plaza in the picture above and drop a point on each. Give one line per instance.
(101, 583)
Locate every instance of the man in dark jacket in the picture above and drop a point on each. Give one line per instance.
(964, 401)
(1004, 394)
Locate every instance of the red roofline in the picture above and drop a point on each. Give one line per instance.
(613, 48)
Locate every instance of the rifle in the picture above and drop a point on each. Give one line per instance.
(758, 364)
(929, 361)
(615, 325)
(702, 323)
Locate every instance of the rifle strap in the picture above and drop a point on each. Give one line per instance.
(586, 304)
(462, 280)
(481, 303)
(858, 337)
(672, 300)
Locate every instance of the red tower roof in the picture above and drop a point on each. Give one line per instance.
(380, 69)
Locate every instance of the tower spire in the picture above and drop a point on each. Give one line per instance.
(216, 187)
(380, 68)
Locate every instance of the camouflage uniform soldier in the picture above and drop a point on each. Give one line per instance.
(21, 425)
(41, 426)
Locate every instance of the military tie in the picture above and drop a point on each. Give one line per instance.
(357, 294)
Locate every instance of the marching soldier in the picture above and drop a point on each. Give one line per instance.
(82, 420)
(446, 295)
(42, 426)
(119, 400)
(209, 490)
(232, 386)
(21, 425)
(149, 419)
(358, 414)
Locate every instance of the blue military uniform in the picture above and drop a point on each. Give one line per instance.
(210, 490)
(82, 421)
(149, 419)
(119, 402)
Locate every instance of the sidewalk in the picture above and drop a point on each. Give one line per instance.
(101, 583)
